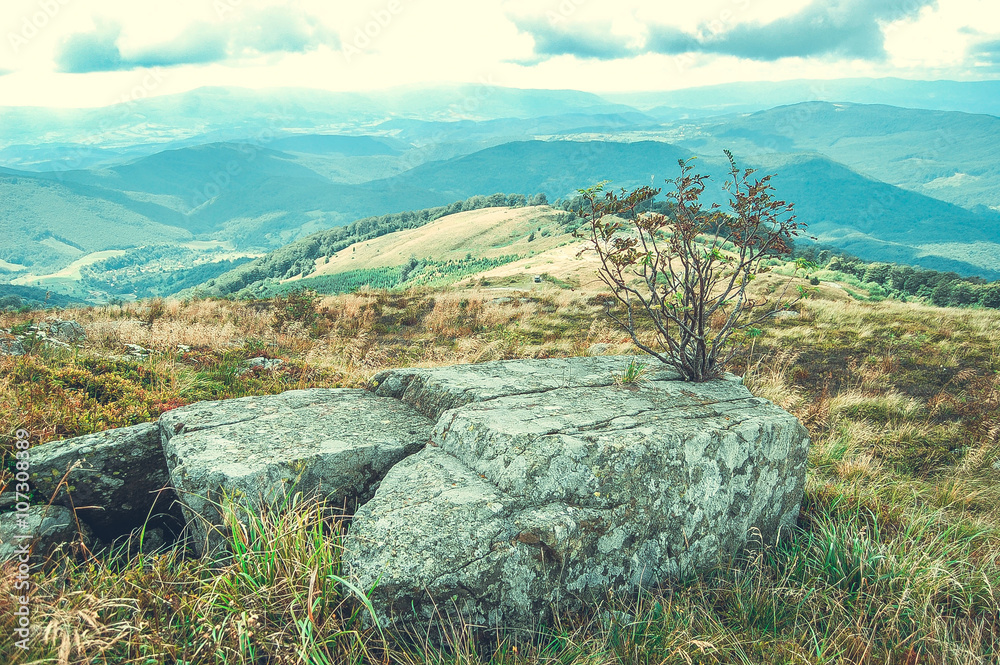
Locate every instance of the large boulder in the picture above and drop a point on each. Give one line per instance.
(555, 498)
(117, 479)
(432, 391)
(336, 443)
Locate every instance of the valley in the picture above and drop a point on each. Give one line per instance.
(882, 182)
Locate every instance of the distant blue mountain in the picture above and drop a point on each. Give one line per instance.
(871, 218)
(324, 144)
(968, 96)
(264, 168)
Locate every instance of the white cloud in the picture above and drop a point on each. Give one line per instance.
(943, 37)
(399, 42)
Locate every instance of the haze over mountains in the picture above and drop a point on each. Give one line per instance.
(184, 186)
(744, 97)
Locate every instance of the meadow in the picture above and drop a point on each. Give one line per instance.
(896, 559)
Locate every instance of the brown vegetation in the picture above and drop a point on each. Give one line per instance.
(897, 560)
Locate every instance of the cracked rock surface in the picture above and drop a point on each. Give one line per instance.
(495, 492)
(433, 391)
(559, 495)
(337, 443)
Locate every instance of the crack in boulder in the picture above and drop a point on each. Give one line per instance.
(606, 488)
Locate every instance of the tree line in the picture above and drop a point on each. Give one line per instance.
(902, 282)
(299, 258)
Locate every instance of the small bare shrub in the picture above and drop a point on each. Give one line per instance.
(676, 272)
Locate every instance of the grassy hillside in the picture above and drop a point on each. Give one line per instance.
(895, 559)
(485, 233)
(49, 224)
(301, 258)
(438, 253)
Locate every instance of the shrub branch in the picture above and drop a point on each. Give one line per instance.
(682, 270)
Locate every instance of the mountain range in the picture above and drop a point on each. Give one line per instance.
(228, 173)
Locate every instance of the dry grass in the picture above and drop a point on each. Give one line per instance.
(198, 348)
(486, 233)
(896, 562)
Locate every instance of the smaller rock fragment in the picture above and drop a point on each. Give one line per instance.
(40, 528)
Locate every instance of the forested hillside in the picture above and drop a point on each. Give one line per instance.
(299, 258)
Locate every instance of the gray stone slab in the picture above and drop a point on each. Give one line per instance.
(554, 499)
(40, 528)
(433, 391)
(337, 443)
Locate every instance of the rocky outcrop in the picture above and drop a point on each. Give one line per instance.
(116, 479)
(495, 492)
(10, 345)
(553, 498)
(337, 443)
(51, 332)
(62, 331)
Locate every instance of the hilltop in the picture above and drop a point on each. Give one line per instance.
(511, 246)
(477, 237)
(302, 258)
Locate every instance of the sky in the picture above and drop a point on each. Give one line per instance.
(82, 53)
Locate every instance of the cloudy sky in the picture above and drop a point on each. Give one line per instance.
(97, 52)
